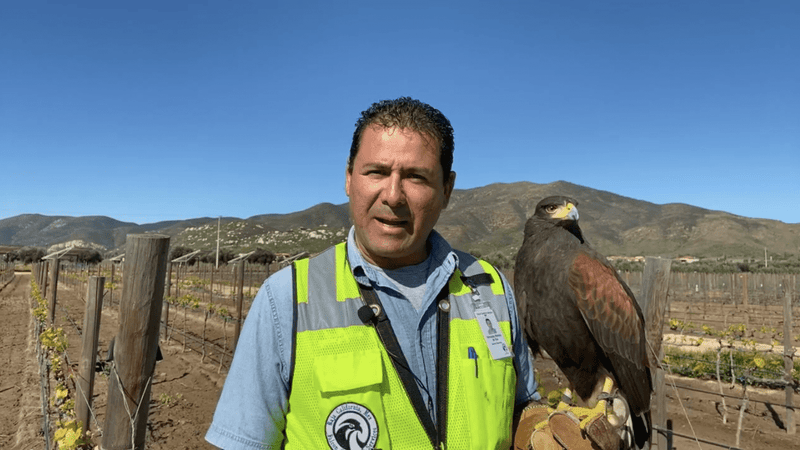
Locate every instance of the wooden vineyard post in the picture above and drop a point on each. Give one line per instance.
(239, 300)
(136, 343)
(249, 282)
(111, 297)
(745, 299)
(211, 287)
(653, 301)
(54, 291)
(166, 304)
(91, 331)
(43, 283)
(202, 276)
(169, 278)
(178, 280)
(788, 353)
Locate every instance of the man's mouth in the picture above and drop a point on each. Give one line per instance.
(392, 222)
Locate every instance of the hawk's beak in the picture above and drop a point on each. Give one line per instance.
(569, 212)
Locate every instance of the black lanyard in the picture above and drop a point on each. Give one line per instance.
(373, 312)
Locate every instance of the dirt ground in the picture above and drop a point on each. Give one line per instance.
(184, 395)
(186, 389)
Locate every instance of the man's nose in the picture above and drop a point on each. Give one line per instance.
(393, 193)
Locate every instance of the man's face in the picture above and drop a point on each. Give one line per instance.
(396, 193)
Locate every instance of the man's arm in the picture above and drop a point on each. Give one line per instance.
(251, 412)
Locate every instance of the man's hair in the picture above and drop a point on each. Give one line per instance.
(411, 114)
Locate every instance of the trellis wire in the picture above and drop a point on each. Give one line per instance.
(669, 431)
(758, 380)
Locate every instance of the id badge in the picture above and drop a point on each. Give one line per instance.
(492, 334)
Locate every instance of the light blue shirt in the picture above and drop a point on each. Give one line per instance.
(251, 413)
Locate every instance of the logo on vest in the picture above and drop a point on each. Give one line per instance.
(351, 426)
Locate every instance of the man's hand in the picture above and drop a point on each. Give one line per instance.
(533, 414)
(540, 427)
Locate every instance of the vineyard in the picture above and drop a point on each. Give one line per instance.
(730, 367)
(200, 303)
(196, 343)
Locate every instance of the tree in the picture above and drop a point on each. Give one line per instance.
(11, 256)
(89, 256)
(225, 256)
(30, 254)
(206, 256)
(211, 256)
(261, 256)
(179, 251)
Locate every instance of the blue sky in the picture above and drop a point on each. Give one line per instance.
(159, 110)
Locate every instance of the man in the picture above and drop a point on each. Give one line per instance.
(375, 343)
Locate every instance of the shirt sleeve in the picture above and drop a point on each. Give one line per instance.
(523, 361)
(252, 407)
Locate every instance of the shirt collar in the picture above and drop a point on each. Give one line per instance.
(444, 257)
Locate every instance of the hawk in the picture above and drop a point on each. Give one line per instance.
(573, 305)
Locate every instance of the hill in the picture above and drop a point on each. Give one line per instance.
(493, 217)
(486, 220)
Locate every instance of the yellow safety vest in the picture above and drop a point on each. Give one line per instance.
(345, 391)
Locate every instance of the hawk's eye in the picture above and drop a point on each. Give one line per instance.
(550, 209)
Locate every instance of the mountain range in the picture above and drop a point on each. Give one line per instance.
(486, 220)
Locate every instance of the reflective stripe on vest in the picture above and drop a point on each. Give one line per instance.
(345, 393)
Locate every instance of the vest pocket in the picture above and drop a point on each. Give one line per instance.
(488, 398)
(351, 407)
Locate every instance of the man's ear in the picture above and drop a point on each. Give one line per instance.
(347, 176)
(448, 188)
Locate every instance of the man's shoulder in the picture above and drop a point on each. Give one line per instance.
(280, 284)
(466, 259)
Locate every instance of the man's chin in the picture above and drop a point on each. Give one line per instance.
(389, 257)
